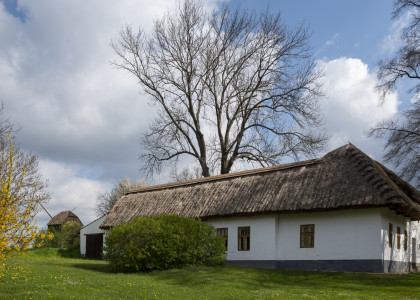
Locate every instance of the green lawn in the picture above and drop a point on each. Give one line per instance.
(43, 275)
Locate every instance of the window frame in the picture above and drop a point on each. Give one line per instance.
(244, 244)
(305, 234)
(390, 233)
(222, 231)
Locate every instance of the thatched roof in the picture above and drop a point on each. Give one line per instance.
(64, 217)
(345, 178)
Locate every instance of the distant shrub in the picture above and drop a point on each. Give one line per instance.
(163, 242)
(64, 237)
(69, 235)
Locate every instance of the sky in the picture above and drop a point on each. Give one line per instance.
(84, 119)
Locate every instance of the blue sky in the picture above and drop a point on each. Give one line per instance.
(354, 28)
(84, 119)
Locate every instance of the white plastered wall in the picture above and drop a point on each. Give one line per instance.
(414, 242)
(92, 228)
(339, 235)
(393, 253)
(262, 237)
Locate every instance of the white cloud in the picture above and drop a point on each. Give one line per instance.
(70, 191)
(76, 111)
(352, 106)
(84, 119)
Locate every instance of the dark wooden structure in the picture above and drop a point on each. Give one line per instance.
(94, 244)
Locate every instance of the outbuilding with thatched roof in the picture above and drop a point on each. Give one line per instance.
(344, 211)
(62, 218)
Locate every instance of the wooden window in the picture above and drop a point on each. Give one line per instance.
(398, 238)
(224, 233)
(390, 235)
(244, 234)
(307, 236)
(405, 240)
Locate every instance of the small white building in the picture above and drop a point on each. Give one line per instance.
(92, 239)
(343, 212)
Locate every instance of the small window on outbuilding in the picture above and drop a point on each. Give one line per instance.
(224, 233)
(398, 238)
(307, 236)
(390, 235)
(244, 236)
(405, 240)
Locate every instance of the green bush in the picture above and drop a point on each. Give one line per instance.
(64, 237)
(163, 242)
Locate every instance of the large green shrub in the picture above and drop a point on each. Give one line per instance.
(163, 242)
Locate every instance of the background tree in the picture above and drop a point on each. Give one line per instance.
(186, 173)
(22, 191)
(229, 86)
(403, 136)
(106, 201)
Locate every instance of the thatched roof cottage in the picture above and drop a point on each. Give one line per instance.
(343, 211)
(62, 218)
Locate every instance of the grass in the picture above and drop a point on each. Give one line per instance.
(44, 274)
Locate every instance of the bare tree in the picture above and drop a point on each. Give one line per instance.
(403, 136)
(186, 173)
(229, 86)
(405, 64)
(106, 201)
(403, 142)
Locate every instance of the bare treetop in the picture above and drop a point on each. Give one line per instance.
(406, 62)
(403, 135)
(229, 86)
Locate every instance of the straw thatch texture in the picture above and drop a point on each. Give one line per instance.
(344, 178)
(64, 217)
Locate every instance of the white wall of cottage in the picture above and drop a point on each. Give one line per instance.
(414, 242)
(412, 254)
(339, 235)
(262, 236)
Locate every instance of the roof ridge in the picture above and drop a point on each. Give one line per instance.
(344, 178)
(225, 176)
(379, 179)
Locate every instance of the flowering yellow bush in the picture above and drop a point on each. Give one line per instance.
(17, 211)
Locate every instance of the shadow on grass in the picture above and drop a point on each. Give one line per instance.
(92, 265)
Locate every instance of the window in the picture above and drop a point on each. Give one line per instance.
(398, 238)
(244, 238)
(390, 235)
(405, 240)
(307, 236)
(223, 232)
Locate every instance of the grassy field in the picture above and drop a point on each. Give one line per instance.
(43, 274)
